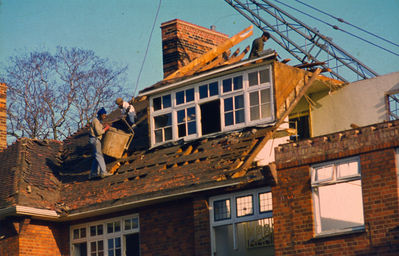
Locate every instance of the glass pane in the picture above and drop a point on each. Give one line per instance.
(82, 232)
(75, 233)
(227, 85)
(190, 114)
(99, 229)
(181, 116)
(240, 116)
(181, 128)
(340, 206)
(244, 206)
(239, 101)
(254, 113)
(258, 235)
(157, 103)
(93, 246)
(203, 91)
(127, 224)
(228, 119)
(265, 110)
(253, 78)
(254, 99)
(228, 104)
(324, 173)
(118, 252)
(110, 243)
(265, 202)
(117, 226)
(222, 209)
(100, 253)
(93, 254)
(135, 222)
(347, 169)
(265, 96)
(264, 76)
(100, 245)
(192, 129)
(190, 95)
(213, 89)
(92, 230)
(158, 136)
(163, 120)
(110, 228)
(111, 252)
(237, 82)
(117, 242)
(179, 97)
(166, 100)
(168, 133)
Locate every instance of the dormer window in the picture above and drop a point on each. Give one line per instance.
(220, 104)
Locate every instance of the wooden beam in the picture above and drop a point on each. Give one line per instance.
(238, 57)
(210, 55)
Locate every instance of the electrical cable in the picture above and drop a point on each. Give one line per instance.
(336, 27)
(343, 21)
(148, 46)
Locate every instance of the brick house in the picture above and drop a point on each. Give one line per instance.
(200, 177)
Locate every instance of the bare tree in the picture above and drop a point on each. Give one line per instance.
(51, 96)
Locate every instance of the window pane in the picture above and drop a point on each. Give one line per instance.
(181, 116)
(117, 226)
(118, 252)
(324, 173)
(93, 231)
(264, 76)
(163, 120)
(227, 85)
(254, 99)
(190, 95)
(265, 202)
(340, 206)
(237, 82)
(127, 224)
(203, 91)
(110, 228)
(111, 253)
(179, 97)
(222, 209)
(228, 104)
(93, 246)
(244, 206)
(192, 129)
(190, 114)
(82, 232)
(168, 133)
(158, 136)
(99, 229)
(228, 119)
(135, 223)
(239, 101)
(240, 116)
(265, 96)
(157, 103)
(110, 243)
(181, 128)
(347, 169)
(213, 89)
(75, 233)
(265, 110)
(253, 78)
(117, 242)
(166, 100)
(254, 113)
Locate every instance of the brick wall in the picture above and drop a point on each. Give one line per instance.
(3, 116)
(202, 239)
(292, 197)
(182, 42)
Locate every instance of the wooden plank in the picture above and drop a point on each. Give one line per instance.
(210, 55)
(238, 57)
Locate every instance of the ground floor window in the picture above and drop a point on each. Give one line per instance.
(242, 223)
(111, 237)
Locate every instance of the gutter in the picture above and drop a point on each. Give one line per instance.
(167, 87)
(30, 211)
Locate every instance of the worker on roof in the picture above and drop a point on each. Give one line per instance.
(126, 109)
(258, 44)
(97, 129)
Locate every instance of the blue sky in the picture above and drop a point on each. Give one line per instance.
(119, 29)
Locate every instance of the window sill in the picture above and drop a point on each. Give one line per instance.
(339, 233)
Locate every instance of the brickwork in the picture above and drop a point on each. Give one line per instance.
(3, 116)
(182, 42)
(167, 229)
(292, 197)
(201, 227)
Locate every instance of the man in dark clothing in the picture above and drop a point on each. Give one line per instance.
(257, 45)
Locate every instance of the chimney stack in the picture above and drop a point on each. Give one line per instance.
(182, 42)
(3, 116)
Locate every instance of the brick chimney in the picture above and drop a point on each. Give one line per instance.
(3, 116)
(182, 42)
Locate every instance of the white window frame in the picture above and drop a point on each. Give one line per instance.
(245, 91)
(105, 236)
(333, 180)
(234, 219)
